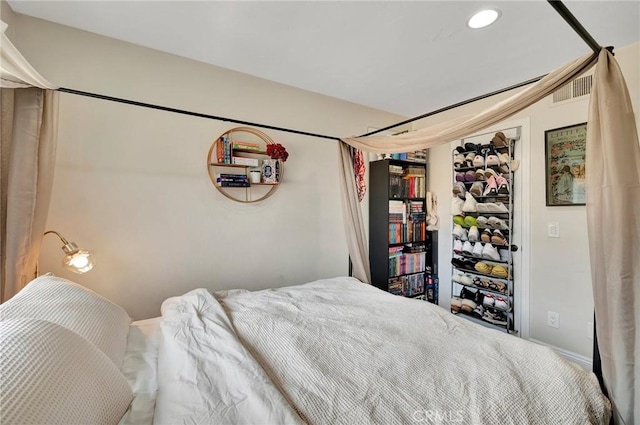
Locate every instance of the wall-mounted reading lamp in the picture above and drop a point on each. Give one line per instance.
(76, 260)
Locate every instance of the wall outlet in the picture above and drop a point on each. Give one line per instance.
(553, 319)
(553, 230)
(589, 330)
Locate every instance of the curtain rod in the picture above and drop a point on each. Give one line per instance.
(194, 114)
(575, 24)
(556, 4)
(455, 105)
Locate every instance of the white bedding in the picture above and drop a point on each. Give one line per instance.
(339, 351)
(139, 366)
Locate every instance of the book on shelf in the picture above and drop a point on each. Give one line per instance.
(227, 150)
(231, 177)
(239, 160)
(417, 156)
(225, 183)
(406, 263)
(408, 286)
(250, 146)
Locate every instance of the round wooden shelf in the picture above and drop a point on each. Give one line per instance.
(256, 191)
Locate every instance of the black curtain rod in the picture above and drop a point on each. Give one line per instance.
(464, 102)
(556, 4)
(575, 24)
(193, 114)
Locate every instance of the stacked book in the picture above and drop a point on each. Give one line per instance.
(247, 146)
(232, 180)
(240, 160)
(417, 156)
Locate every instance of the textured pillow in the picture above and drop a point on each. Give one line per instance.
(51, 375)
(61, 301)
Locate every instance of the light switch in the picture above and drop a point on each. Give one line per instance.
(554, 230)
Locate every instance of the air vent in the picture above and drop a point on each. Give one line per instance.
(582, 86)
(561, 94)
(578, 87)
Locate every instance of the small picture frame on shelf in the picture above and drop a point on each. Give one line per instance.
(565, 150)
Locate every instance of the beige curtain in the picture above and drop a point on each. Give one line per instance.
(352, 215)
(27, 154)
(613, 214)
(453, 130)
(613, 207)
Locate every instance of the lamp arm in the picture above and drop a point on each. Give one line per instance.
(64, 241)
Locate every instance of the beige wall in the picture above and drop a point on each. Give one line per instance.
(131, 183)
(559, 275)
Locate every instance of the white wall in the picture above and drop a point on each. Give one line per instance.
(131, 183)
(560, 278)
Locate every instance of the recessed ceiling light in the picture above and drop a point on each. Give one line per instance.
(483, 18)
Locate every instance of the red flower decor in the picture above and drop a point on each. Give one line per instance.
(277, 151)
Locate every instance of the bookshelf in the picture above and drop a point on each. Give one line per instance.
(234, 156)
(402, 252)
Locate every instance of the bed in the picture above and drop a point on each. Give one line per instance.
(326, 352)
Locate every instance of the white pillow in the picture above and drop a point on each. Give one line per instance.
(51, 375)
(61, 301)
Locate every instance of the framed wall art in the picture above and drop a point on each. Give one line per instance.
(565, 150)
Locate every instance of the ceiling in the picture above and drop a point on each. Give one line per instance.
(403, 57)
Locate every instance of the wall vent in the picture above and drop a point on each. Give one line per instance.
(578, 87)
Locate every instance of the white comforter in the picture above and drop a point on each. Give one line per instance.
(339, 351)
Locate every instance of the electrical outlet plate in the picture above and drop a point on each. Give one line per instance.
(553, 319)
(554, 230)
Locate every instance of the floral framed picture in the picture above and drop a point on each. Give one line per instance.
(565, 150)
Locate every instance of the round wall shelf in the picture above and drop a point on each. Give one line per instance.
(234, 156)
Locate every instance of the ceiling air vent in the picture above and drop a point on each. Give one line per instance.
(578, 87)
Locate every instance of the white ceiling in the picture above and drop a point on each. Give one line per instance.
(403, 57)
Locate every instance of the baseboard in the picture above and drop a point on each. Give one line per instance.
(584, 362)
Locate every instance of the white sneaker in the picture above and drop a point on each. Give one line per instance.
(500, 304)
(477, 250)
(466, 280)
(490, 252)
(488, 300)
(460, 232)
(457, 246)
(457, 277)
(474, 234)
(456, 206)
(467, 248)
(469, 203)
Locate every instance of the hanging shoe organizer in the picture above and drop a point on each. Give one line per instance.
(482, 285)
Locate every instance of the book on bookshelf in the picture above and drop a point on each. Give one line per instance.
(246, 146)
(239, 177)
(240, 160)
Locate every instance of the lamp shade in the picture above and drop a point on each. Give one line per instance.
(76, 260)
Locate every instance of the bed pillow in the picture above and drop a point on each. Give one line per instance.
(68, 304)
(52, 375)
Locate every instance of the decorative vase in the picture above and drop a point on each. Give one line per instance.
(270, 171)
